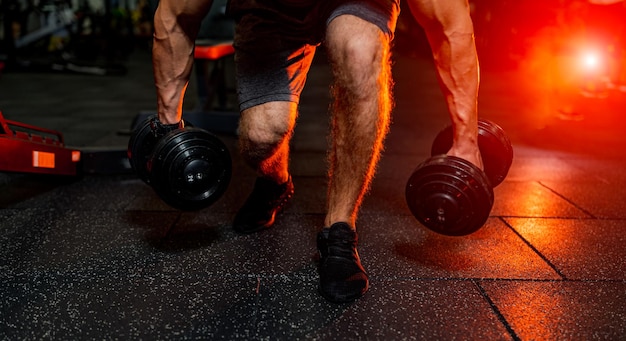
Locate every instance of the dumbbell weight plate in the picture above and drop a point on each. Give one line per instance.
(191, 169)
(495, 149)
(140, 146)
(449, 195)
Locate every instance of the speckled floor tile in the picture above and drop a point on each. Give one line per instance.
(398, 247)
(98, 305)
(87, 193)
(308, 164)
(309, 196)
(196, 305)
(531, 199)
(387, 197)
(561, 310)
(602, 199)
(207, 242)
(580, 249)
(414, 310)
(145, 199)
(311, 137)
(22, 188)
(399, 166)
(46, 240)
(409, 135)
(604, 170)
(536, 168)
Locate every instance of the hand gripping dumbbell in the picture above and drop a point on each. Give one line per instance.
(189, 168)
(452, 196)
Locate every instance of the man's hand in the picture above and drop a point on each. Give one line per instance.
(469, 153)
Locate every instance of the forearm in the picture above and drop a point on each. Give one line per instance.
(176, 24)
(450, 33)
(457, 68)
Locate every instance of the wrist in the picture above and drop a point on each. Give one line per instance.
(160, 129)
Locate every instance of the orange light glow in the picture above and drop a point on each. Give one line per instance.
(75, 155)
(591, 60)
(43, 159)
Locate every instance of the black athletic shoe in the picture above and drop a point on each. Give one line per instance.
(342, 277)
(264, 203)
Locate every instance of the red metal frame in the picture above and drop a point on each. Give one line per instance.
(25, 148)
(213, 50)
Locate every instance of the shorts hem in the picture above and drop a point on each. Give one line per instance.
(267, 99)
(385, 22)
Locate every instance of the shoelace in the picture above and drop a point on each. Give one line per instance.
(340, 247)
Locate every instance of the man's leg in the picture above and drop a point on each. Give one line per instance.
(269, 91)
(264, 134)
(359, 53)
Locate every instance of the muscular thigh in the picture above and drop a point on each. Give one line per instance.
(275, 42)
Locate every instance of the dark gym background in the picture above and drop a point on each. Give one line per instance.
(99, 256)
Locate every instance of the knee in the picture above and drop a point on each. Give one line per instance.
(254, 133)
(359, 59)
(259, 143)
(267, 124)
(361, 55)
(363, 50)
(262, 132)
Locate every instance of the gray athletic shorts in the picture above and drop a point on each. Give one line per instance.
(270, 69)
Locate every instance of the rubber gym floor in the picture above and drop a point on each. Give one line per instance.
(101, 257)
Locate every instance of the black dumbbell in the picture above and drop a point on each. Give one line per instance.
(144, 137)
(452, 196)
(189, 168)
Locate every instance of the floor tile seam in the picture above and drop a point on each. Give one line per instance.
(89, 273)
(547, 280)
(253, 276)
(76, 210)
(541, 183)
(499, 315)
(379, 278)
(364, 212)
(142, 211)
(383, 278)
(534, 249)
(14, 210)
(596, 218)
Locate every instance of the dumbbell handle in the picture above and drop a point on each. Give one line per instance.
(495, 148)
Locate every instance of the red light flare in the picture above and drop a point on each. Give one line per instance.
(590, 60)
(567, 76)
